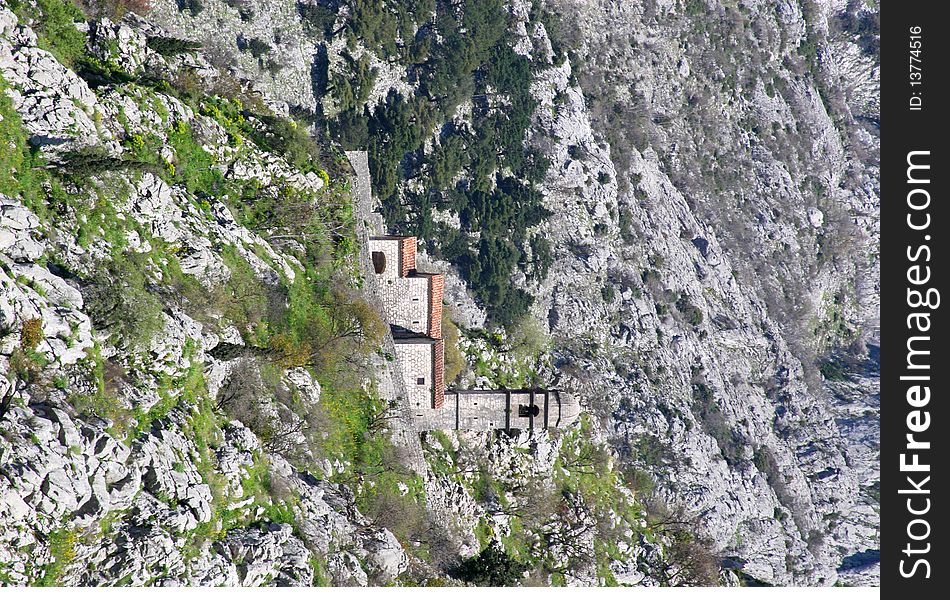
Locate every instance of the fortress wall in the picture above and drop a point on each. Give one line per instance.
(431, 419)
(485, 409)
(481, 410)
(392, 385)
(416, 361)
(525, 399)
(407, 303)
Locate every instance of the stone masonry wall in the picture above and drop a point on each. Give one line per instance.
(416, 360)
(406, 300)
(390, 249)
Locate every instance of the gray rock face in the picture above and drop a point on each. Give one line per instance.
(719, 181)
(126, 486)
(58, 107)
(767, 467)
(16, 222)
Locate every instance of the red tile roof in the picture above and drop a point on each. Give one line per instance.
(408, 251)
(438, 375)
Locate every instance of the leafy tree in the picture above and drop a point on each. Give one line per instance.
(54, 22)
(316, 17)
(170, 46)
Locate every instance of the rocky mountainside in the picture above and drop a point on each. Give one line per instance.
(739, 230)
(666, 208)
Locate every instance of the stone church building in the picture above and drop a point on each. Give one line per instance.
(413, 304)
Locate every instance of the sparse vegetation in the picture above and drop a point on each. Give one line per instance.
(54, 21)
(454, 361)
(863, 24)
(472, 57)
(119, 300)
(31, 334)
(709, 414)
(15, 161)
(62, 547)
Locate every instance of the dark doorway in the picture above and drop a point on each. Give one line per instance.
(528, 411)
(379, 262)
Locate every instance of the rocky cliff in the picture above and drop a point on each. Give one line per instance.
(692, 252)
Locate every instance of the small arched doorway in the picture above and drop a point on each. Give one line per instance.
(379, 262)
(529, 411)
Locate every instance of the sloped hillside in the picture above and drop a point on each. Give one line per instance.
(191, 357)
(182, 401)
(667, 208)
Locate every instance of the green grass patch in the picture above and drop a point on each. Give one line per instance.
(16, 176)
(62, 547)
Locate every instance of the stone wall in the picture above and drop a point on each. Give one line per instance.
(415, 358)
(412, 301)
(389, 247)
(392, 386)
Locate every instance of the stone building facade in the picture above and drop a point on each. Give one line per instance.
(413, 305)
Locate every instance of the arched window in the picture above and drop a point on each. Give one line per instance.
(528, 411)
(379, 262)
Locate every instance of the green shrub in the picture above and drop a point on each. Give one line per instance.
(26, 366)
(351, 89)
(316, 17)
(692, 313)
(491, 567)
(98, 73)
(119, 299)
(62, 547)
(31, 333)
(287, 138)
(92, 161)
(716, 424)
(454, 361)
(54, 22)
(257, 47)
(193, 6)
(192, 166)
(832, 370)
(639, 481)
(764, 461)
